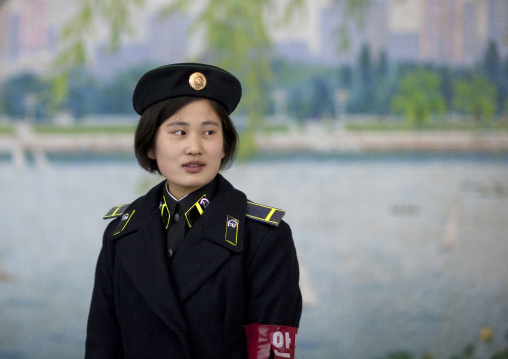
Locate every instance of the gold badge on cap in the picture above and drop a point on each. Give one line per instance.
(197, 81)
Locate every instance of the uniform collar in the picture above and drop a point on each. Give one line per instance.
(192, 205)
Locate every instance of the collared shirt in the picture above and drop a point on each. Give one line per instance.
(179, 220)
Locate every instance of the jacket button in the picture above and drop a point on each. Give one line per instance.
(177, 217)
(170, 253)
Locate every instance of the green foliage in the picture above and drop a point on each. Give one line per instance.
(476, 96)
(384, 85)
(74, 36)
(82, 95)
(25, 96)
(503, 354)
(86, 130)
(309, 93)
(6, 129)
(492, 69)
(387, 125)
(372, 83)
(353, 14)
(366, 81)
(237, 39)
(492, 62)
(399, 355)
(116, 93)
(308, 89)
(418, 96)
(248, 147)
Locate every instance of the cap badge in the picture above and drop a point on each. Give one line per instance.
(197, 81)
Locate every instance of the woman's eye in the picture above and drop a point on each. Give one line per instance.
(208, 133)
(179, 133)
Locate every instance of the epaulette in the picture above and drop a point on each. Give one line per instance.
(265, 214)
(116, 211)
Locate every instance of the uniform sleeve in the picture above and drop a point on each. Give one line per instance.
(274, 302)
(103, 335)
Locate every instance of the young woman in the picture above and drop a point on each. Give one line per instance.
(193, 269)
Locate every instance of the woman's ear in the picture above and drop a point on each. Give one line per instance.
(151, 154)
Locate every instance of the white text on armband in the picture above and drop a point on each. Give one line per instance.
(278, 342)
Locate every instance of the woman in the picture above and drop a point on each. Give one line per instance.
(193, 269)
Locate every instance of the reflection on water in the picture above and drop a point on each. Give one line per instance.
(396, 252)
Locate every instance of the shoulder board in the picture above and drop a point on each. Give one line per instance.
(265, 214)
(116, 211)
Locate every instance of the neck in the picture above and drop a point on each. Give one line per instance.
(177, 197)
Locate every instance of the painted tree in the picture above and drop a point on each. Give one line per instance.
(81, 27)
(236, 38)
(418, 96)
(476, 96)
(384, 84)
(236, 32)
(18, 101)
(493, 70)
(366, 79)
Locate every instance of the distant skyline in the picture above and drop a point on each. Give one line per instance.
(403, 17)
(454, 32)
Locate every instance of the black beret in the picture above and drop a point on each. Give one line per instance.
(187, 79)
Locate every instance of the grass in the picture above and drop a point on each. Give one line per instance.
(275, 128)
(85, 130)
(443, 126)
(6, 129)
(371, 126)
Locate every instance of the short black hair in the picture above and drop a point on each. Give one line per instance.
(156, 114)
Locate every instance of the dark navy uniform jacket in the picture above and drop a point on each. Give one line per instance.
(194, 305)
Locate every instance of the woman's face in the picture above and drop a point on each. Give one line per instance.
(189, 148)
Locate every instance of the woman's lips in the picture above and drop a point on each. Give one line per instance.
(193, 167)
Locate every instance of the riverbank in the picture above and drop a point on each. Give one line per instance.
(320, 139)
(317, 138)
(311, 139)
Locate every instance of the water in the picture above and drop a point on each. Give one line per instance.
(397, 253)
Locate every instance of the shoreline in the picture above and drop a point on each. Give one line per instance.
(316, 140)
(20, 150)
(396, 141)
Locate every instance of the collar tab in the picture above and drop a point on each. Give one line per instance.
(197, 209)
(126, 217)
(165, 213)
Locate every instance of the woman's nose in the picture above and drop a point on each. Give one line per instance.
(194, 145)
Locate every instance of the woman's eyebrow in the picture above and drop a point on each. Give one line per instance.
(177, 123)
(183, 123)
(206, 123)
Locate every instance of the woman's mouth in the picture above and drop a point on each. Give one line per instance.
(193, 167)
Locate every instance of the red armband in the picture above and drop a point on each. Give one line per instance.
(260, 338)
